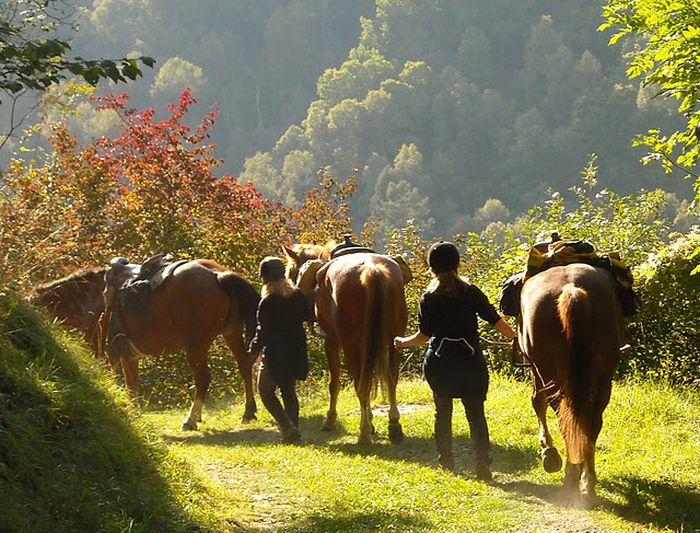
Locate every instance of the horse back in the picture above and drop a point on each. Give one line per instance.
(350, 290)
(571, 331)
(580, 292)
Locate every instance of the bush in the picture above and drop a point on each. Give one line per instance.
(666, 331)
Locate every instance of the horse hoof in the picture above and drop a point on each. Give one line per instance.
(248, 418)
(551, 460)
(328, 425)
(589, 499)
(395, 433)
(189, 425)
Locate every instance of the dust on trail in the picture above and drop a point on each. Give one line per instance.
(557, 522)
(270, 503)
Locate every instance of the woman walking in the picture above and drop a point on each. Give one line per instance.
(281, 338)
(454, 364)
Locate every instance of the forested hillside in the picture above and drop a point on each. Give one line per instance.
(439, 105)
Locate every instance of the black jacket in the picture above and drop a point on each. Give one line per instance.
(281, 337)
(452, 367)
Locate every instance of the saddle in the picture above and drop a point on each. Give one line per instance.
(564, 252)
(128, 289)
(131, 285)
(348, 247)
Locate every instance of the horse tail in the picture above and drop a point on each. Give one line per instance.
(247, 297)
(576, 399)
(375, 363)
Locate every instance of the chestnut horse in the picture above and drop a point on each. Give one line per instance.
(198, 302)
(76, 300)
(571, 330)
(360, 304)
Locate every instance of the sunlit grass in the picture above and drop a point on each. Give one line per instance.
(647, 466)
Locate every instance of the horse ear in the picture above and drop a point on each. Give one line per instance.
(290, 253)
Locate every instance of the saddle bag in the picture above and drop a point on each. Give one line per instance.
(510, 295)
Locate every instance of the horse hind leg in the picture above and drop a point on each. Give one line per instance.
(589, 475)
(572, 478)
(366, 427)
(395, 429)
(551, 460)
(197, 359)
(245, 366)
(333, 357)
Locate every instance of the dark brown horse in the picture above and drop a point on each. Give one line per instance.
(571, 330)
(198, 302)
(76, 300)
(361, 306)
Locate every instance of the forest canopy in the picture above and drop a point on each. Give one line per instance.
(437, 105)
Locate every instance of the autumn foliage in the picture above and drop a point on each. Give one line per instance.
(149, 188)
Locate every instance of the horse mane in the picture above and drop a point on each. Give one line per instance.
(314, 251)
(81, 276)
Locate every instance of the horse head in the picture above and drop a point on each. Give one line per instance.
(299, 254)
(76, 300)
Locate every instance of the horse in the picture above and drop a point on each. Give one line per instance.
(360, 304)
(75, 300)
(571, 330)
(199, 301)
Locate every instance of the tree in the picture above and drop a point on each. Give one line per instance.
(666, 59)
(33, 57)
(175, 74)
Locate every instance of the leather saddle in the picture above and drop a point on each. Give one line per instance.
(130, 285)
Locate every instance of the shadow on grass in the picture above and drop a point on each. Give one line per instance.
(527, 491)
(413, 449)
(665, 505)
(359, 521)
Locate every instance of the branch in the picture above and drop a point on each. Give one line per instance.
(15, 125)
(677, 166)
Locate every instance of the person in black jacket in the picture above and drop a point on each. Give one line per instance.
(281, 338)
(454, 364)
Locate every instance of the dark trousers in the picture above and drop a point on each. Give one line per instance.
(287, 416)
(478, 429)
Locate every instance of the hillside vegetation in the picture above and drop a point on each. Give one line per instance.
(74, 454)
(439, 105)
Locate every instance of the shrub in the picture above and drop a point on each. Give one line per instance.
(666, 331)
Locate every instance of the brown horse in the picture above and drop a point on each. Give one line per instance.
(76, 300)
(571, 330)
(200, 301)
(361, 306)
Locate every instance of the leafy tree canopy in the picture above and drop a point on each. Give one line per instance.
(34, 57)
(667, 60)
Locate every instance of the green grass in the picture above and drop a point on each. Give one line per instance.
(74, 454)
(647, 465)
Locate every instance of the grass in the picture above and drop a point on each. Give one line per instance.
(76, 456)
(647, 465)
(74, 453)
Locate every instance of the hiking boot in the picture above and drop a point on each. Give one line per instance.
(482, 470)
(291, 435)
